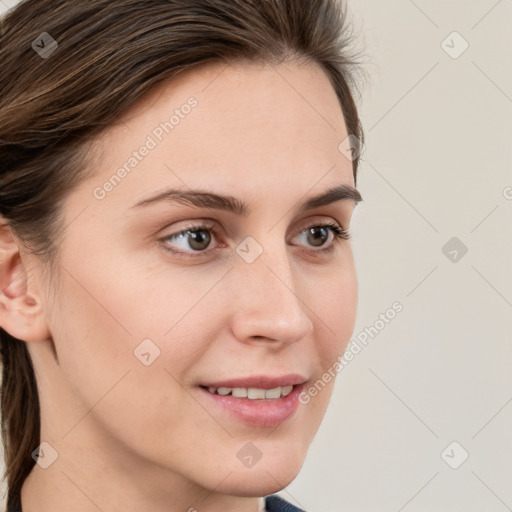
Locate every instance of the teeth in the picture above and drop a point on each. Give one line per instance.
(253, 393)
(286, 390)
(273, 393)
(239, 392)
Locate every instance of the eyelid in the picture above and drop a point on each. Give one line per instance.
(334, 227)
(323, 222)
(315, 220)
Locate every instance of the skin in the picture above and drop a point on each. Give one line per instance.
(132, 437)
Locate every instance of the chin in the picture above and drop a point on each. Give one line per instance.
(264, 478)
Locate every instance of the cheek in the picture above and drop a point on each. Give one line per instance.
(336, 309)
(115, 321)
(108, 383)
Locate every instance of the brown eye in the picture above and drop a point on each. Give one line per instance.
(193, 239)
(317, 236)
(198, 239)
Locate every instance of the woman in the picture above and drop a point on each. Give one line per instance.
(177, 281)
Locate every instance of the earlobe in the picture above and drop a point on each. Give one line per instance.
(21, 306)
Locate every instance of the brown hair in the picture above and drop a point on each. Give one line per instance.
(109, 54)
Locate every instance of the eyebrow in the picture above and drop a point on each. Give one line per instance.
(203, 198)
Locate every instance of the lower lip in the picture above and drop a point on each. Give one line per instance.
(268, 412)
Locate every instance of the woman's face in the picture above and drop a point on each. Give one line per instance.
(138, 329)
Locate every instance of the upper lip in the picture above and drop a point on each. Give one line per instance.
(258, 381)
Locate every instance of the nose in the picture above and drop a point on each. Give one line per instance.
(267, 306)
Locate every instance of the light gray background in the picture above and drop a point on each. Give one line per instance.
(437, 164)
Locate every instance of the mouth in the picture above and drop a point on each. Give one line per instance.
(258, 402)
(251, 393)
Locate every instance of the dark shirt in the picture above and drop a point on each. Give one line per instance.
(273, 503)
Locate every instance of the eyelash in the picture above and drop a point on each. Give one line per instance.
(339, 234)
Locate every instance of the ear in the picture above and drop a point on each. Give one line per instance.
(21, 305)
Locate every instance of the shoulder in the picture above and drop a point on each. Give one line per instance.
(275, 503)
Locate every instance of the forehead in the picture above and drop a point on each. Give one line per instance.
(300, 87)
(251, 125)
